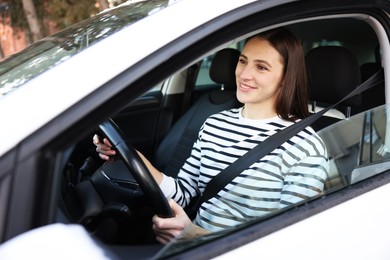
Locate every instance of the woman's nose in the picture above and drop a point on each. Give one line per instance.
(245, 73)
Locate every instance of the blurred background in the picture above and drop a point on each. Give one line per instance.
(23, 22)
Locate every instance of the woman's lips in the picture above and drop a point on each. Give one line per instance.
(246, 88)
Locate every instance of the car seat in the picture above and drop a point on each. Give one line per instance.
(176, 146)
(333, 72)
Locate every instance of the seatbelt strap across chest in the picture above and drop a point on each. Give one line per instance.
(271, 143)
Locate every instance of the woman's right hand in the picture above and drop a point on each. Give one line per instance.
(103, 148)
(105, 152)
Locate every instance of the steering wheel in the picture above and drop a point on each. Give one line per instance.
(137, 168)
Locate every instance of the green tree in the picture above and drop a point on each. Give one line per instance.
(67, 12)
(14, 9)
(39, 18)
(61, 13)
(103, 4)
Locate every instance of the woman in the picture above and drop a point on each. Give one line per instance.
(271, 83)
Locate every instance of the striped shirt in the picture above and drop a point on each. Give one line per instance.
(293, 172)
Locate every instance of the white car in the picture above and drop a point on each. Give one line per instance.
(157, 69)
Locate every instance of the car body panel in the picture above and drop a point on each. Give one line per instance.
(336, 227)
(44, 122)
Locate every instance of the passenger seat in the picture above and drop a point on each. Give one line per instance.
(333, 72)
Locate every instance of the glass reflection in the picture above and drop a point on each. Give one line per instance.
(358, 147)
(53, 50)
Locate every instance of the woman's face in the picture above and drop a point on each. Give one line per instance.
(259, 73)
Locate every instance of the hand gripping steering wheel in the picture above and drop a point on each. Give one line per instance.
(137, 168)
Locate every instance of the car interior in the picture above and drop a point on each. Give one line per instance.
(164, 122)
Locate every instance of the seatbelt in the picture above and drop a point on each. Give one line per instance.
(271, 143)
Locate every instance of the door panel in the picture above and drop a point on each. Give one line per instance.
(140, 120)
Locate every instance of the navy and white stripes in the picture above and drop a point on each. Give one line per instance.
(291, 173)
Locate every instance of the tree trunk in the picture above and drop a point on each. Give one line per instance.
(103, 4)
(1, 52)
(32, 19)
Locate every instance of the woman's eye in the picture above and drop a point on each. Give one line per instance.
(260, 67)
(242, 61)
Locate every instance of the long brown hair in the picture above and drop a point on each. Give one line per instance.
(292, 100)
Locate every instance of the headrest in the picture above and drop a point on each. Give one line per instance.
(333, 72)
(223, 67)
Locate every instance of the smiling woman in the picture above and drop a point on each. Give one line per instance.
(287, 69)
(263, 67)
(279, 179)
(57, 93)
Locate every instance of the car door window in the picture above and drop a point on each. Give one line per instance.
(358, 147)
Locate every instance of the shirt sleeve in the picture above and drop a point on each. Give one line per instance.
(167, 186)
(185, 187)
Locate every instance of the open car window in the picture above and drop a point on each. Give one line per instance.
(356, 145)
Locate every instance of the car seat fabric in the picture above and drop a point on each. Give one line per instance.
(176, 146)
(333, 72)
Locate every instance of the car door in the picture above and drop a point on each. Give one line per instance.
(150, 115)
(33, 191)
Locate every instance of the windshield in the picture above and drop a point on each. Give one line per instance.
(51, 51)
(358, 148)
